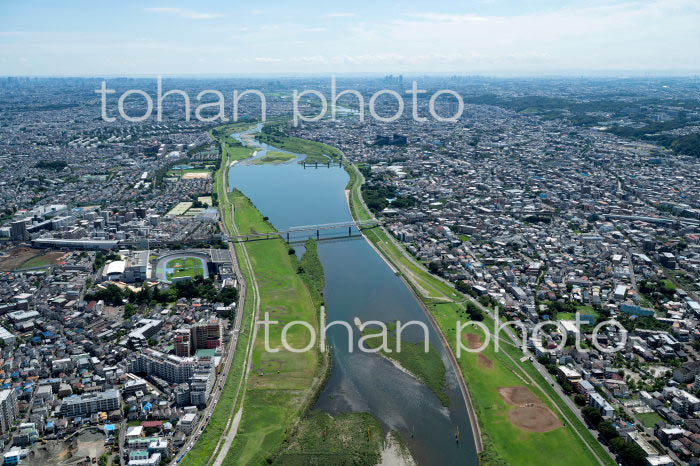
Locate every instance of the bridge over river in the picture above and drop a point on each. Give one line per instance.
(288, 233)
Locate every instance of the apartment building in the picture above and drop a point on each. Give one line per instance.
(82, 405)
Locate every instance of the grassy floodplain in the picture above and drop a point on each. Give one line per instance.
(347, 439)
(274, 134)
(275, 158)
(280, 384)
(504, 443)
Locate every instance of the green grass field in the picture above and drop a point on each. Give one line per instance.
(37, 261)
(185, 267)
(274, 158)
(281, 383)
(582, 310)
(649, 419)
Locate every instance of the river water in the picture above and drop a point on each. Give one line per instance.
(360, 284)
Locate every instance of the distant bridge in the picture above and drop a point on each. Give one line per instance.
(309, 228)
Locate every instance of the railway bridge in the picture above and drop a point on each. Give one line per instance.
(288, 233)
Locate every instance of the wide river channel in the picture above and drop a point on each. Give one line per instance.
(359, 284)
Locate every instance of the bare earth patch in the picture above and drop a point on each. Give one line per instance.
(484, 361)
(529, 413)
(196, 175)
(518, 396)
(473, 340)
(534, 419)
(16, 257)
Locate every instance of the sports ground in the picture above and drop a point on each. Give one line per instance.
(181, 266)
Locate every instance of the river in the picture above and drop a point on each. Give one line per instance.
(360, 284)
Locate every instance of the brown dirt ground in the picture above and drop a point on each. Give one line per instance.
(484, 361)
(530, 414)
(473, 340)
(196, 175)
(518, 396)
(534, 419)
(17, 257)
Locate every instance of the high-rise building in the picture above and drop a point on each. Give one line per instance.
(8, 409)
(202, 382)
(18, 230)
(183, 344)
(206, 335)
(173, 369)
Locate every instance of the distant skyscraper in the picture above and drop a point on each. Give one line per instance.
(18, 230)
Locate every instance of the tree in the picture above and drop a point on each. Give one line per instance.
(129, 311)
(474, 312)
(580, 399)
(593, 416)
(607, 430)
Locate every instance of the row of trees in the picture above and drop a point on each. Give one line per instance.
(199, 287)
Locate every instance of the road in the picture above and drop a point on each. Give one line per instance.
(224, 443)
(221, 379)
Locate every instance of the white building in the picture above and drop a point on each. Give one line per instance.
(81, 405)
(8, 409)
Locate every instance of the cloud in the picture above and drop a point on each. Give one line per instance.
(447, 18)
(631, 34)
(184, 13)
(340, 15)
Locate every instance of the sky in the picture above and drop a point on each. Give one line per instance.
(487, 37)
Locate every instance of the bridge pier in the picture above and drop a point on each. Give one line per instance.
(316, 165)
(288, 237)
(304, 164)
(318, 234)
(329, 164)
(349, 231)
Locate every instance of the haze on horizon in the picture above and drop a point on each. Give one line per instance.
(477, 37)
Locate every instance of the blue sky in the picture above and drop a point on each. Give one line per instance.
(527, 37)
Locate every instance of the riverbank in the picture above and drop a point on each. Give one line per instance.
(346, 439)
(282, 382)
(395, 452)
(275, 134)
(427, 367)
(503, 441)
